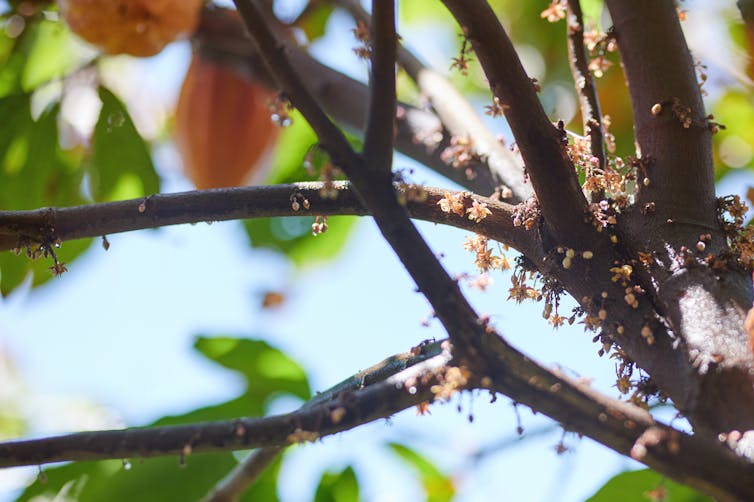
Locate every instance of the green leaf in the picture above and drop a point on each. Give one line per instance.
(149, 480)
(15, 122)
(267, 370)
(438, 486)
(49, 55)
(121, 163)
(338, 487)
(35, 173)
(639, 485)
(313, 23)
(734, 146)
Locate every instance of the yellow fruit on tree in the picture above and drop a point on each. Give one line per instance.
(136, 27)
(223, 129)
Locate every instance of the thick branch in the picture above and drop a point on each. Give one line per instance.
(585, 89)
(660, 71)
(420, 134)
(698, 461)
(704, 308)
(379, 130)
(20, 228)
(541, 144)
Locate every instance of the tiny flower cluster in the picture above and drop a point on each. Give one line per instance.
(280, 110)
(453, 380)
(555, 11)
(484, 259)
(319, 226)
(460, 154)
(527, 214)
(461, 63)
(361, 32)
(456, 203)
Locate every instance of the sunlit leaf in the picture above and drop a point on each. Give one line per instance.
(315, 19)
(645, 485)
(267, 370)
(438, 486)
(49, 56)
(338, 487)
(121, 162)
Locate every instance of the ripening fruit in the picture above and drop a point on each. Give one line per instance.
(223, 129)
(136, 27)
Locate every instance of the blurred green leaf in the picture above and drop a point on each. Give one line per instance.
(35, 173)
(641, 485)
(267, 371)
(338, 487)
(148, 480)
(15, 121)
(313, 23)
(438, 486)
(734, 145)
(293, 236)
(121, 163)
(49, 54)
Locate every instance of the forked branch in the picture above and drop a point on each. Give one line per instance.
(541, 144)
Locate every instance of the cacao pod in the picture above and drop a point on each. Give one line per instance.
(136, 27)
(223, 129)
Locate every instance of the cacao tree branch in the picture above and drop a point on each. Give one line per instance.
(344, 411)
(243, 475)
(460, 119)
(232, 486)
(673, 138)
(21, 228)
(420, 134)
(675, 221)
(379, 130)
(541, 144)
(586, 90)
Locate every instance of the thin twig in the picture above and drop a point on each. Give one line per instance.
(235, 483)
(587, 92)
(379, 130)
(243, 475)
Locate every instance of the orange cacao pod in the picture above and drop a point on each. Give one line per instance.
(136, 27)
(223, 129)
